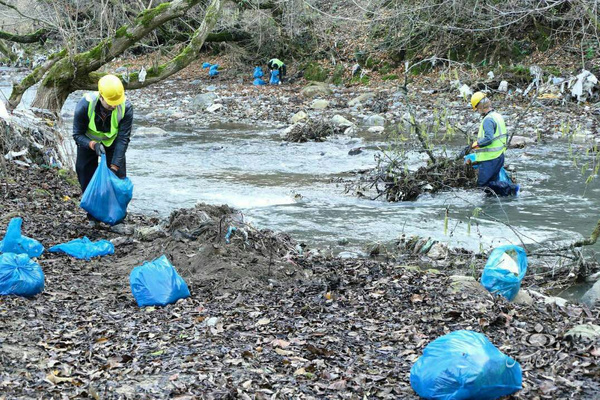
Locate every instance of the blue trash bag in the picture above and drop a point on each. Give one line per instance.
(213, 70)
(14, 242)
(504, 270)
(258, 72)
(206, 65)
(107, 196)
(504, 176)
(259, 82)
(157, 283)
(464, 365)
(274, 77)
(20, 275)
(84, 248)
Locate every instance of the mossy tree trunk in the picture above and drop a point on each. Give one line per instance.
(68, 72)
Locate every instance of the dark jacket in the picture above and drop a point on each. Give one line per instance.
(102, 119)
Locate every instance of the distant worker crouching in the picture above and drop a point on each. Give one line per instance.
(488, 150)
(102, 125)
(276, 64)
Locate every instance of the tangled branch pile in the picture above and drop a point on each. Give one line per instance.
(315, 130)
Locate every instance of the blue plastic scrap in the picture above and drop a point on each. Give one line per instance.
(206, 65)
(230, 232)
(14, 242)
(84, 248)
(107, 196)
(259, 82)
(20, 275)
(465, 365)
(498, 278)
(213, 70)
(258, 72)
(157, 283)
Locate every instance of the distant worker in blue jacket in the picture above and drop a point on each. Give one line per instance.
(277, 64)
(488, 150)
(102, 125)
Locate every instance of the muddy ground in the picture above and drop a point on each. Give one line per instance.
(266, 318)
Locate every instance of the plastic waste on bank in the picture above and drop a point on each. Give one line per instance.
(14, 242)
(274, 77)
(213, 70)
(464, 365)
(206, 65)
(503, 176)
(259, 82)
(504, 270)
(157, 283)
(258, 72)
(107, 196)
(84, 248)
(20, 275)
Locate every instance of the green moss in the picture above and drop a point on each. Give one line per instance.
(41, 193)
(357, 79)
(68, 176)
(390, 77)
(371, 63)
(385, 68)
(553, 71)
(121, 32)
(338, 75)
(314, 72)
(145, 18)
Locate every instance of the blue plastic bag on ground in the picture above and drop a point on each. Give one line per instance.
(504, 270)
(274, 77)
(14, 242)
(464, 365)
(258, 73)
(157, 283)
(107, 196)
(84, 248)
(213, 70)
(259, 82)
(206, 65)
(20, 275)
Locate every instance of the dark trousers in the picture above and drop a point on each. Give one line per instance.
(489, 178)
(87, 162)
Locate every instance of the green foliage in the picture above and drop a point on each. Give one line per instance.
(364, 80)
(314, 72)
(338, 74)
(390, 77)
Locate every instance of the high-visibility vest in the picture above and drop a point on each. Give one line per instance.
(107, 138)
(276, 62)
(498, 145)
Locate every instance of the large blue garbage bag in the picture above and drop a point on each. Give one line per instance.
(14, 242)
(107, 196)
(157, 283)
(503, 176)
(258, 72)
(213, 70)
(84, 248)
(274, 77)
(20, 275)
(259, 82)
(206, 65)
(464, 365)
(504, 270)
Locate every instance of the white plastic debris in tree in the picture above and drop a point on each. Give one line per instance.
(142, 75)
(465, 91)
(491, 75)
(536, 72)
(503, 87)
(584, 83)
(4, 112)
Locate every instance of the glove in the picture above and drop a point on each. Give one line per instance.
(469, 159)
(474, 145)
(99, 149)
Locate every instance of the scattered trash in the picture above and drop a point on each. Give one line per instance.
(275, 78)
(503, 86)
(490, 75)
(258, 73)
(142, 75)
(206, 65)
(230, 232)
(20, 275)
(465, 91)
(504, 271)
(107, 196)
(464, 365)
(581, 86)
(259, 82)
(213, 70)
(14, 242)
(157, 283)
(84, 248)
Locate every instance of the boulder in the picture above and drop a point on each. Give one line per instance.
(319, 104)
(438, 252)
(376, 129)
(518, 142)
(523, 297)
(204, 100)
(315, 89)
(592, 296)
(587, 331)
(361, 99)
(466, 284)
(338, 120)
(375, 120)
(299, 116)
(150, 131)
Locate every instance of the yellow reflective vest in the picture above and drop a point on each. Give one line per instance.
(498, 145)
(107, 138)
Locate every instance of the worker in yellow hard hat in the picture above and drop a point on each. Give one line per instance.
(102, 125)
(488, 150)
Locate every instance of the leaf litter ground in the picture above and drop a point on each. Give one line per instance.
(262, 321)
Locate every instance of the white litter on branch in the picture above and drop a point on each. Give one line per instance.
(142, 75)
(490, 75)
(503, 86)
(465, 91)
(581, 85)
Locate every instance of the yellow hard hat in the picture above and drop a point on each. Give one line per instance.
(476, 98)
(112, 90)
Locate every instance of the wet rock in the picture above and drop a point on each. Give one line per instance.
(355, 151)
(123, 229)
(315, 89)
(559, 301)
(148, 234)
(518, 142)
(319, 104)
(361, 99)
(152, 131)
(202, 101)
(586, 331)
(343, 241)
(214, 107)
(376, 129)
(466, 284)
(592, 296)
(593, 277)
(375, 120)
(338, 120)
(523, 297)
(438, 252)
(299, 116)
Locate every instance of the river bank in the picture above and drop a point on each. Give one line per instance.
(266, 318)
